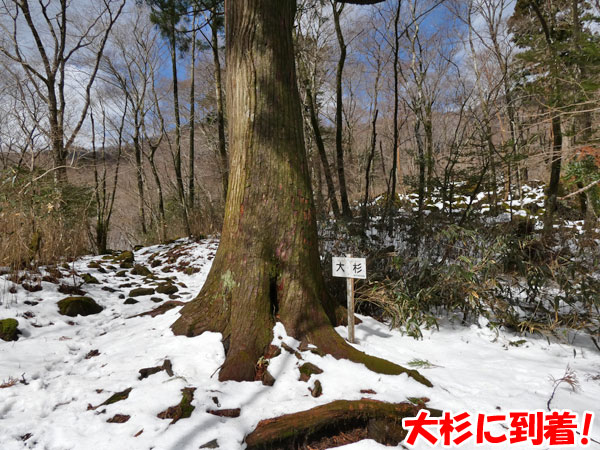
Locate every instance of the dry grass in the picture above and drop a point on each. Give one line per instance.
(40, 224)
(28, 241)
(8, 383)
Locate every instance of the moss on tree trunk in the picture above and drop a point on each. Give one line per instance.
(267, 265)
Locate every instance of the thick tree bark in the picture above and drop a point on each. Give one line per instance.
(267, 266)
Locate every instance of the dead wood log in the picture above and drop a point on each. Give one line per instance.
(382, 422)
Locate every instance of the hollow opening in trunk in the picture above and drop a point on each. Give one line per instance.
(273, 297)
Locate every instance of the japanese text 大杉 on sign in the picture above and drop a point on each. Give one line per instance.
(349, 267)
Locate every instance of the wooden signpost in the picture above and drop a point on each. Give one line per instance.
(349, 268)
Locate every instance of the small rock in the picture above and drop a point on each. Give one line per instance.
(89, 279)
(130, 301)
(156, 299)
(367, 391)
(78, 306)
(67, 289)
(211, 444)
(91, 354)
(138, 292)
(316, 390)
(267, 379)
(119, 418)
(9, 330)
(139, 269)
(49, 279)
(167, 288)
(308, 369)
(32, 287)
(125, 257)
(231, 413)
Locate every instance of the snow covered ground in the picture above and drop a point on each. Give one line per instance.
(52, 376)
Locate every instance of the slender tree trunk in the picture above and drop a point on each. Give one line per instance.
(395, 142)
(428, 129)
(369, 164)
(192, 154)
(267, 266)
(422, 167)
(220, 106)
(139, 171)
(555, 167)
(177, 155)
(162, 223)
(314, 121)
(339, 147)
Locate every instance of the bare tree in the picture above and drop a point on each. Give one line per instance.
(106, 158)
(61, 38)
(338, 8)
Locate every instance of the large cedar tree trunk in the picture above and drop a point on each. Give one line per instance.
(267, 266)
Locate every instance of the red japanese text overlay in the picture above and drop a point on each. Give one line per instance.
(539, 428)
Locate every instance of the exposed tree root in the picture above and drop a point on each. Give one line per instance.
(333, 344)
(243, 301)
(344, 421)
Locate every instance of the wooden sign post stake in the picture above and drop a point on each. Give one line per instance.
(350, 298)
(349, 268)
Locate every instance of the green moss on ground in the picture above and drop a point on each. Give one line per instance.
(9, 330)
(125, 257)
(307, 370)
(89, 279)
(181, 411)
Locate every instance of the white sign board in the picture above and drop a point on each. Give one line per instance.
(349, 267)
